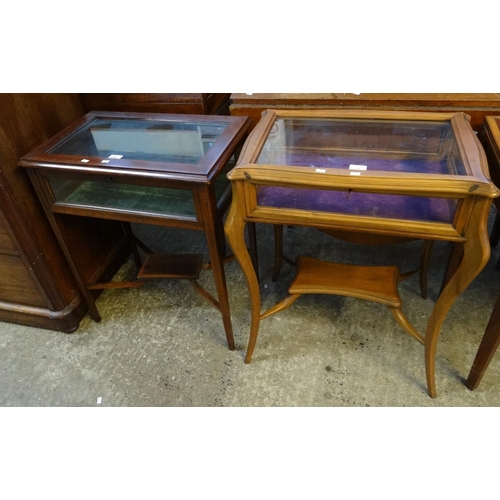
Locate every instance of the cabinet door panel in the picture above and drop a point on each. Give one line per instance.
(6, 243)
(17, 284)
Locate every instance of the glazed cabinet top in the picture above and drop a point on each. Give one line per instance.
(176, 147)
(400, 166)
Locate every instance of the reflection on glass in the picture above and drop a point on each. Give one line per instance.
(379, 145)
(143, 140)
(126, 197)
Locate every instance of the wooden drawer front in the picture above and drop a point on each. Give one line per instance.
(17, 284)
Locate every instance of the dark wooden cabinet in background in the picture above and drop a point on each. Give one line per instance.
(37, 287)
(475, 105)
(198, 104)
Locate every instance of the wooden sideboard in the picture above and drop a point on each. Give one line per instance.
(476, 105)
(200, 104)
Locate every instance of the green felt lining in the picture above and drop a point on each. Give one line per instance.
(134, 198)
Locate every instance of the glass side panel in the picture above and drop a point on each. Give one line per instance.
(380, 145)
(162, 141)
(353, 203)
(124, 197)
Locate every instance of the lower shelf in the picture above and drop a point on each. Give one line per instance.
(173, 266)
(374, 283)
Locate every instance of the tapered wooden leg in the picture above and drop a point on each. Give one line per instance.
(454, 260)
(235, 233)
(487, 348)
(424, 266)
(252, 240)
(278, 251)
(220, 284)
(132, 242)
(214, 232)
(495, 232)
(55, 220)
(80, 279)
(475, 254)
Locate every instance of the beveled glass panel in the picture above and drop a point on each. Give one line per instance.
(126, 197)
(147, 140)
(376, 145)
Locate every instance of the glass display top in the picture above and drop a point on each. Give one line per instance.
(357, 144)
(145, 140)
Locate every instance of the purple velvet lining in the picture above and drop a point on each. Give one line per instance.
(374, 205)
(368, 204)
